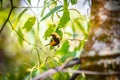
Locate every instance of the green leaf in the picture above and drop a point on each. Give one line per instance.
(64, 19)
(29, 1)
(73, 27)
(35, 72)
(68, 55)
(65, 4)
(43, 9)
(59, 32)
(53, 4)
(80, 47)
(15, 23)
(81, 77)
(88, 23)
(61, 76)
(22, 13)
(81, 27)
(51, 12)
(45, 5)
(19, 37)
(73, 2)
(78, 23)
(50, 30)
(29, 24)
(64, 48)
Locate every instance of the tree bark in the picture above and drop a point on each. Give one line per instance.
(104, 39)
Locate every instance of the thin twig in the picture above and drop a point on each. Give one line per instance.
(3, 26)
(22, 37)
(11, 4)
(27, 7)
(74, 39)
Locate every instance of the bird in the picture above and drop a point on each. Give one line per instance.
(55, 40)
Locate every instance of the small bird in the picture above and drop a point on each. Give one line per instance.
(55, 40)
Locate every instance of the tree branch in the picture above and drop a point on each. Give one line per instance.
(92, 72)
(74, 75)
(60, 68)
(112, 54)
(71, 63)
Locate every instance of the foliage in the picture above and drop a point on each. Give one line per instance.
(30, 33)
(29, 24)
(51, 12)
(73, 2)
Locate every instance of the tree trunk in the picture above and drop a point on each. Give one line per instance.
(102, 50)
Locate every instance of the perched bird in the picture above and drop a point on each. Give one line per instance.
(55, 40)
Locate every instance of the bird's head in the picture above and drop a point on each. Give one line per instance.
(55, 35)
